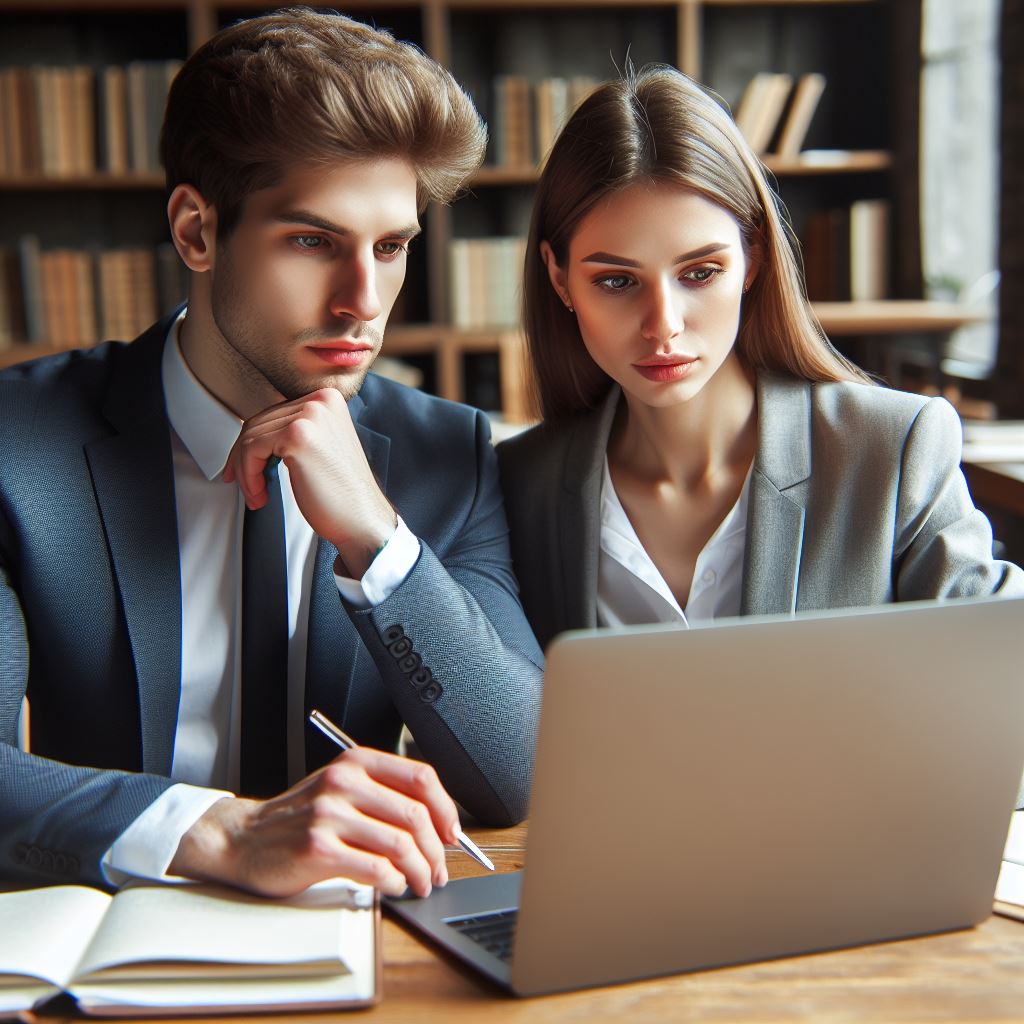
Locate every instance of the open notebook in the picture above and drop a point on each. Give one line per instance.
(191, 949)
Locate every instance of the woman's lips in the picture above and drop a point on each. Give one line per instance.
(666, 370)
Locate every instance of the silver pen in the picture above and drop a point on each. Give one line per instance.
(343, 740)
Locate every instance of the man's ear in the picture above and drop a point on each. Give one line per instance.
(193, 224)
(557, 276)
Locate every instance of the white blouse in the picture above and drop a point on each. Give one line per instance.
(631, 590)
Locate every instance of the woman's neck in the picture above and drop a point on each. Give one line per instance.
(689, 445)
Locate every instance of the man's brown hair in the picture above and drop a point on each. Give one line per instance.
(300, 86)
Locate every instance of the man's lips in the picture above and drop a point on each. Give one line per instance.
(341, 353)
(665, 369)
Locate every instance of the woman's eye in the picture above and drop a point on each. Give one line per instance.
(702, 275)
(390, 248)
(615, 282)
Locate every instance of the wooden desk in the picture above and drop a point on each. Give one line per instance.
(974, 975)
(993, 463)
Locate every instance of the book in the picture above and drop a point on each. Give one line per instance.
(869, 249)
(148, 949)
(552, 106)
(113, 120)
(31, 288)
(826, 255)
(761, 106)
(513, 143)
(804, 102)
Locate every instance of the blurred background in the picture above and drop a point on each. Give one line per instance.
(894, 130)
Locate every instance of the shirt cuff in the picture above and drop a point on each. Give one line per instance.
(147, 846)
(387, 572)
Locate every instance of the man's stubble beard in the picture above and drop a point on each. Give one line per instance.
(267, 365)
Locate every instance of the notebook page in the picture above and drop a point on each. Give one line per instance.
(44, 932)
(214, 925)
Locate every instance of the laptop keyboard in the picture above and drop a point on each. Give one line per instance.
(495, 931)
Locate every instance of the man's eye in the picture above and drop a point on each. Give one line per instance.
(308, 242)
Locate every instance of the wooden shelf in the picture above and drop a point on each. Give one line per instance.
(896, 316)
(692, 34)
(830, 162)
(98, 182)
(811, 163)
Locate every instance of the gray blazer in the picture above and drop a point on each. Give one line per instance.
(856, 498)
(90, 608)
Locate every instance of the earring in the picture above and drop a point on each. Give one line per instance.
(569, 306)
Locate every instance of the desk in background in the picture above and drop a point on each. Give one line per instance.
(993, 462)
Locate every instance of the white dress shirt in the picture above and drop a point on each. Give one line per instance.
(631, 590)
(210, 515)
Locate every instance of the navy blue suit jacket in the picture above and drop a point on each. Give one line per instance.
(90, 607)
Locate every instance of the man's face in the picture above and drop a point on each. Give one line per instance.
(302, 288)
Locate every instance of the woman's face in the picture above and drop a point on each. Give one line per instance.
(656, 275)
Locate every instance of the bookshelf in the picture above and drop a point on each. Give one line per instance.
(860, 140)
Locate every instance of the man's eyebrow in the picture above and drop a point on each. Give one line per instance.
(621, 261)
(310, 219)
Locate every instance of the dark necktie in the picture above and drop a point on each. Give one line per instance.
(264, 758)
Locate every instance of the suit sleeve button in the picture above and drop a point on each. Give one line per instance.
(393, 633)
(410, 663)
(421, 677)
(431, 692)
(400, 647)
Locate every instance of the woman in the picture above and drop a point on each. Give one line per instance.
(705, 452)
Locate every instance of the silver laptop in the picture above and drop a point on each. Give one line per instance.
(752, 789)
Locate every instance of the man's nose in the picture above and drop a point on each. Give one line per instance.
(355, 290)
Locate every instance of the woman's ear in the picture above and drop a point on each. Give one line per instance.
(193, 224)
(557, 276)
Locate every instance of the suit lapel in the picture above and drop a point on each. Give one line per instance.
(333, 647)
(132, 473)
(778, 493)
(579, 513)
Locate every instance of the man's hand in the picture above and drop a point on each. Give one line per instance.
(369, 816)
(333, 484)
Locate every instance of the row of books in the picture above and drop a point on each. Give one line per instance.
(846, 252)
(76, 297)
(77, 120)
(484, 276)
(526, 117)
(775, 115)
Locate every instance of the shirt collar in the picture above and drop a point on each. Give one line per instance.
(206, 428)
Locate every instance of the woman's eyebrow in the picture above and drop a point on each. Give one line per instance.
(621, 261)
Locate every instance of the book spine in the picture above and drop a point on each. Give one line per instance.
(135, 80)
(798, 118)
(114, 120)
(84, 120)
(31, 283)
(869, 249)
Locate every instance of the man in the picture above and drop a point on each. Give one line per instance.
(300, 149)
